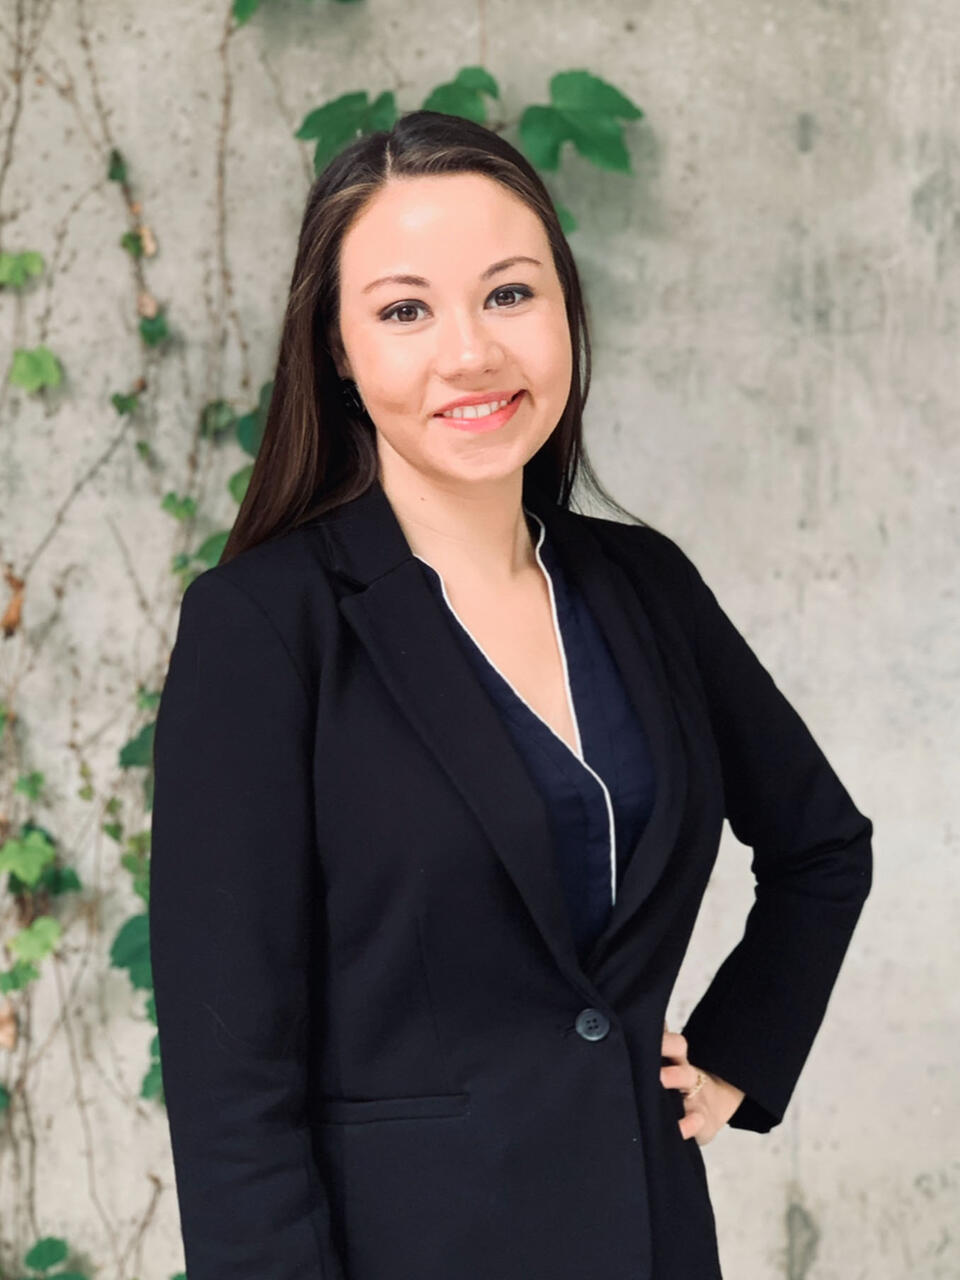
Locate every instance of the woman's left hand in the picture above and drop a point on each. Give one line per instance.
(709, 1109)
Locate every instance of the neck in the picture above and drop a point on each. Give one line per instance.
(474, 529)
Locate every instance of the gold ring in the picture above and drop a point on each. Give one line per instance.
(698, 1086)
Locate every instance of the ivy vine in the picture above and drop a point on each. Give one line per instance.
(583, 110)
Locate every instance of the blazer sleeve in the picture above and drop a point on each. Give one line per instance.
(232, 897)
(812, 863)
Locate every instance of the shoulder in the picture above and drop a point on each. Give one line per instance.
(276, 591)
(279, 567)
(650, 555)
(678, 601)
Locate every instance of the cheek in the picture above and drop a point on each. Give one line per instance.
(389, 367)
(549, 360)
(394, 378)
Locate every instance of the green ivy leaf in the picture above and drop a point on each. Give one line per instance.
(243, 10)
(582, 91)
(153, 329)
(211, 549)
(37, 939)
(216, 418)
(566, 219)
(4, 1098)
(152, 1084)
(250, 427)
(17, 977)
(383, 109)
(58, 880)
(130, 240)
(542, 131)
(139, 750)
(585, 110)
(17, 268)
(457, 100)
(138, 866)
(118, 169)
(139, 842)
(148, 699)
(114, 830)
(179, 508)
(463, 96)
(342, 119)
(239, 482)
(36, 368)
(29, 784)
(131, 951)
(125, 403)
(333, 125)
(46, 1253)
(27, 857)
(591, 108)
(478, 78)
(599, 139)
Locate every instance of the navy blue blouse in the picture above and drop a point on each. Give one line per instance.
(598, 798)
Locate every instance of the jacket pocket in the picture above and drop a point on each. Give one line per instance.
(421, 1107)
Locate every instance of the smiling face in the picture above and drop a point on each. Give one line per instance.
(486, 316)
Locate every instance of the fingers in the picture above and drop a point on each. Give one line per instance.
(692, 1123)
(674, 1045)
(680, 1076)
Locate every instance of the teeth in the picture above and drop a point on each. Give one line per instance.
(475, 410)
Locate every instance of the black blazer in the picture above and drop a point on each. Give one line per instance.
(381, 1057)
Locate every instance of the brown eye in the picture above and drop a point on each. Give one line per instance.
(519, 290)
(400, 306)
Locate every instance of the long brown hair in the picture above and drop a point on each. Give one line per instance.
(315, 453)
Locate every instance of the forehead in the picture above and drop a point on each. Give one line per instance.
(443, 224)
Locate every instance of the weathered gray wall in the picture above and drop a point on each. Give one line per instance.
(774, 294)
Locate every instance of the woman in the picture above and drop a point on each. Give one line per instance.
(441, 767)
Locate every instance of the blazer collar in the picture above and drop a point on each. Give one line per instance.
(411, 641)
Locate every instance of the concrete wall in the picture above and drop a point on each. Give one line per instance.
(774, 294)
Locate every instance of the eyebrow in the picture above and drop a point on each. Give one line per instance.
(420, 283)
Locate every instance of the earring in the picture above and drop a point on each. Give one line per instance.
(350, 397)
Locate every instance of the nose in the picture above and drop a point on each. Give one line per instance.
(465, 343)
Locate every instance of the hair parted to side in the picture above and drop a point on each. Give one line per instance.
(315, 454)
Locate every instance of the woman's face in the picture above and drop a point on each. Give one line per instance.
(472, 323)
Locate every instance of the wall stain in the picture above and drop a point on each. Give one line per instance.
(933, 199)
(806, 131)
(803, 1239)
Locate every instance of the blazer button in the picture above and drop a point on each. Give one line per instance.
(593, 1024)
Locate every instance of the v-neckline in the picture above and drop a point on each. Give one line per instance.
(558, 634)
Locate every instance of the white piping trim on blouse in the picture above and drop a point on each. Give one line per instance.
(578, 754)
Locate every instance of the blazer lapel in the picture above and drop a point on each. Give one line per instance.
(618, 610)
(411, 641)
